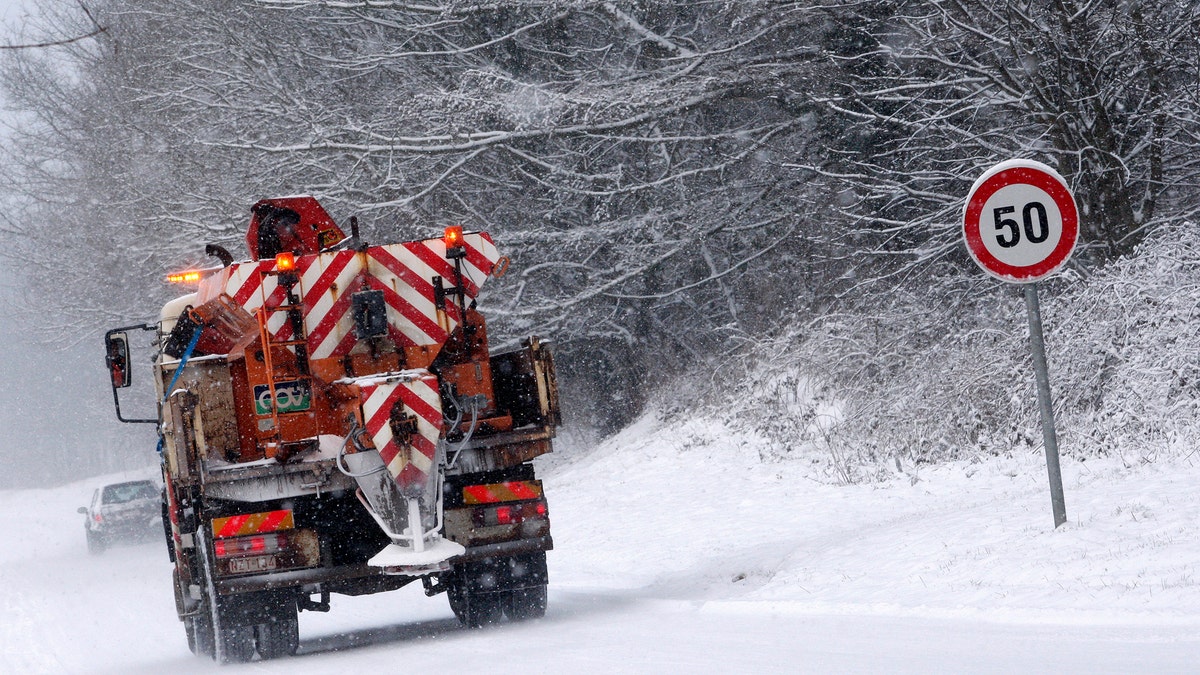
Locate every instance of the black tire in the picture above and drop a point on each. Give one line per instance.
(280, 636)
(197, 627)
(236, 644)
(521, 604)
(200, 634)
(95, 543)
(231, 644)
(474, 609)
(189, 629)
(199, 631)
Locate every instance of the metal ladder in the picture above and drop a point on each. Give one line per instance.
(298, 344)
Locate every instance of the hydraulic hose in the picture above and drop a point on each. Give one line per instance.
(475, 405)
(352, 437)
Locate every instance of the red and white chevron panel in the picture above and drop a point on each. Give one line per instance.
(404, 272)
(327, 283)
(411, 464)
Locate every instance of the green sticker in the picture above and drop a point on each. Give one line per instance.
(291, 396)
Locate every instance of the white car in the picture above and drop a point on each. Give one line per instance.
(131, 510)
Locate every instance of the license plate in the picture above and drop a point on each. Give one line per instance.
(258, 563)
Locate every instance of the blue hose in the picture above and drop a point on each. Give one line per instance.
(187, 354)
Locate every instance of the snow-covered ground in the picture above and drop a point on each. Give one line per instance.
(678, 550)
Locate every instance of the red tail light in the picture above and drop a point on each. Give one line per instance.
(510, 514)
(504, 515)
(256, 544)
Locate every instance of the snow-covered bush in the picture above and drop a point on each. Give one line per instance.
(1125, 351)
(944, 372)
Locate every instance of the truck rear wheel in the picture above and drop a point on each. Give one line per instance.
(474, 608)
(525, 596)
(231, 644)
(525, 603)
(281, 635)
(236, 644)
(199, 634)
(197, 625)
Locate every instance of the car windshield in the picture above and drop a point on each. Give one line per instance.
(127, 492)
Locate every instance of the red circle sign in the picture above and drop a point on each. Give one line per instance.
(1020, 221)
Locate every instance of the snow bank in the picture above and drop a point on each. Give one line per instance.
(687, 510)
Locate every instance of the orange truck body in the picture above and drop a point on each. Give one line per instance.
(318, 354)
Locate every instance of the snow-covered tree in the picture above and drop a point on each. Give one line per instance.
(630, 157)
(937, 90)
(663, 174)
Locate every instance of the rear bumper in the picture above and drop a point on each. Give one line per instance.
(361, 578)
(128, 528)
(506, 548)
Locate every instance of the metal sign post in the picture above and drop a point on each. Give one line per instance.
(1021, 224)
(1058, 502)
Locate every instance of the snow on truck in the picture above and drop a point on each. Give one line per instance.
(331, 421)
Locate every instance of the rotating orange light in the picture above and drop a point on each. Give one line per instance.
(285, 262)
(189, 277)
(453, 236)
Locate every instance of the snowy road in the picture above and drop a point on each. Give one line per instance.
(706, 561)
(114, 614)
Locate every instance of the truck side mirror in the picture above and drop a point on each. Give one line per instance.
(116, 357)
(116, 346)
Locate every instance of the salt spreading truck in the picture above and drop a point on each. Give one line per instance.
(331, 420)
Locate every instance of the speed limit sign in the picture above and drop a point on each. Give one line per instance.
(1021, 224)
(1020, 221)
